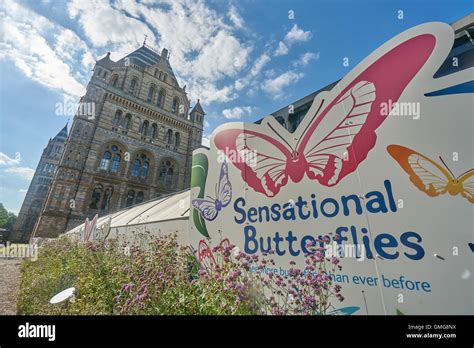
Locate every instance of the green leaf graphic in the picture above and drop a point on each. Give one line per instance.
(198, 179)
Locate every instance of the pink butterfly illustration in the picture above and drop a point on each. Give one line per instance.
(209, 259)
(336, 135)
(89, 228)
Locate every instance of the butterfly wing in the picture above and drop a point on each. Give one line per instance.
(206, 208)
(327, 146)
(467, 182)
(260, 158)
(85, 235)
(424, 173)
(205, 256)
(225, 243)
(337, 139)
(93, 227)
(224, 188)
(341, 136)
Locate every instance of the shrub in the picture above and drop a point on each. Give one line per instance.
(155, 280)
(165, 278)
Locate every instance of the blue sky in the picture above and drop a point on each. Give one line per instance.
(243, 59)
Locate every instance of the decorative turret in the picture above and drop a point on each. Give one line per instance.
(164, 54)
(197, 113)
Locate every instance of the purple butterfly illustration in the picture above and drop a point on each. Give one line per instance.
(209, 208)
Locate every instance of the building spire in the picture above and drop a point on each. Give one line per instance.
(144, 40)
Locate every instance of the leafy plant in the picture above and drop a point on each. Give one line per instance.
(164, 278)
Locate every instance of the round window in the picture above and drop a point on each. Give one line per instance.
(114, 148)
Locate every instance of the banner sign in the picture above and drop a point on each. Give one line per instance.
(384, 161)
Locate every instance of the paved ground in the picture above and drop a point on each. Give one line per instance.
(9, 284)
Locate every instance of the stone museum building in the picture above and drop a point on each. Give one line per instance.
(131, 140)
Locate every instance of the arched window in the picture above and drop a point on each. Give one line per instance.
(116, 164)
(169, 137)
(151, 92)
(144, 128)
(130, 198)
(162, 175)
(126, 122)
(140, 197)
(154, 131)
(118, 116)
(136, 167)
(104, 163)
(114, 81)
(169, 177)
(106, 199)
(144, 171)
(175, 106)
(133, 85)
(165, 176)
(177, 139)
(161, 98)
(95, 198)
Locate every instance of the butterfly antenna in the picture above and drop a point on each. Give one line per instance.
(449, 170)
(273, 129)
(310, 122)
(467, 171)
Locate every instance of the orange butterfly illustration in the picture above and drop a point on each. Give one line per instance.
(430, 177)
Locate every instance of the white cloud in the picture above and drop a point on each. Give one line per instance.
(282, 49)
(8, 161)
(26, 44)
(206, 142)
(294, 35)
(305, 58)
(235, 17)
(204, 49)
(223, 56)
(275, 86)
(24, 172)
(210, 92)
(297, 35)
(104, 24)
(11, 166)
(237, 112)
(259, 64)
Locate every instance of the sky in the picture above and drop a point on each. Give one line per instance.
(244, 59)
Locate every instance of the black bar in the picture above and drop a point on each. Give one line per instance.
(136, 330)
